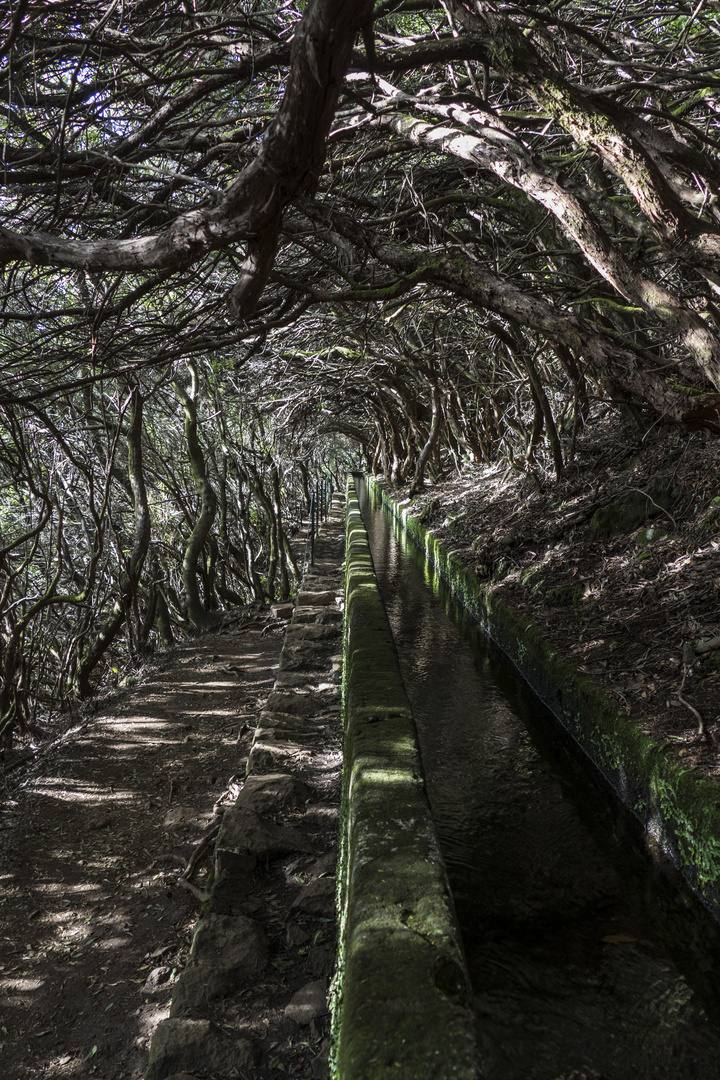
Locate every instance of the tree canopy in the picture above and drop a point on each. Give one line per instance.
(243, 243)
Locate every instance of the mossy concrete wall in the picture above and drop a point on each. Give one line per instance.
(679, 808)
(403, 1000)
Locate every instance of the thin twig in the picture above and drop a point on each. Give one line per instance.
(693, 710)
(659, 507)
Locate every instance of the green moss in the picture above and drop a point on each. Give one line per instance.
(429, 511)
(400, 995)
(564, 595)
(628, 512)
(650, 536)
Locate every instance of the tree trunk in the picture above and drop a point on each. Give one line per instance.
(429, 446)
(305, 484)
(277, 512)
(266, 503)
(141, 542)
(162, 617)
(550, 429)
(498, 151)
(208, 504)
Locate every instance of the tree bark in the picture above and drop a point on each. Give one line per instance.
(288, 163)
(494, 147)
(602, 126)
(208, 503)
(266, 503)
(141, 542)
(433, 436)
(282, 555)
(638, 372)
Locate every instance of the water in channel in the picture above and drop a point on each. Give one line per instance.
(585, 960)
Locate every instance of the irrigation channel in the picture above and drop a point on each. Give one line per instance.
(587, 958)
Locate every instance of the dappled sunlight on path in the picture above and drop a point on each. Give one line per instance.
(92, 920)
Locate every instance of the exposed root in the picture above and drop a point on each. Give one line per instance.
(199, 852)
(197, 893)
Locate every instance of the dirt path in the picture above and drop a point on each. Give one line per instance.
(93, 923)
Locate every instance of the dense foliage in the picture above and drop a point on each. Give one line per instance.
(244, 244)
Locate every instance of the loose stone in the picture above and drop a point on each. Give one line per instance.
(282, 611)
(317, 898)
(316, 599)
(157, 980)
(272, 792)
(308, 1003)
(244, 830)
(199, 1045)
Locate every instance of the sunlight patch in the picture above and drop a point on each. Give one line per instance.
(138, 723)
(67, 793)
(63, 889)
(21, 984)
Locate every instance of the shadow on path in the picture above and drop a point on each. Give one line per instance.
(93, 923)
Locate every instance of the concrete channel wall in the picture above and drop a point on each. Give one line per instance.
(402, 1007)
(679, 808)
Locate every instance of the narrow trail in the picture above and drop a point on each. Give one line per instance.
(253, 998)
(93, 923)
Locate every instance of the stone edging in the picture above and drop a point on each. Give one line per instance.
(237, 937)
(679, 809)
(403, 1003)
